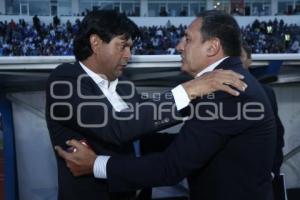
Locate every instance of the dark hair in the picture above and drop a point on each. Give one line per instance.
(247, 49)
(218, 24)
(107, 24)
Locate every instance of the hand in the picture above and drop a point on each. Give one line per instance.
(214, 81)
(80, 162)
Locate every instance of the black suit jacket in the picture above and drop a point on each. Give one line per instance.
(223, 158)
(280, 130)
(76, 108)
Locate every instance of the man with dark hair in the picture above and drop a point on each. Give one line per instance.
(246, 59)
(90, 101)
(225, 149)
(246, 55)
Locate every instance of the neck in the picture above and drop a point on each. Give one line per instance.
(89, 63)
(213, 59)
(211, 64)
(94, 67)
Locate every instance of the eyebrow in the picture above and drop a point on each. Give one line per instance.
(126, 43)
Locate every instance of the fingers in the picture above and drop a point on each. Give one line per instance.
(229, 77)
(236, 83)
(76, 144)
(68, 157)
(79, 163)
(229, 90)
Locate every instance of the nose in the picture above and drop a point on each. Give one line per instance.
(127, 53)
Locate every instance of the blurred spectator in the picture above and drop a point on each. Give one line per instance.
(163, 12)
(37, 24)
(295, 48)
(183, 12)
(56, 21)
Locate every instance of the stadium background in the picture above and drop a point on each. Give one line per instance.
(36, 28)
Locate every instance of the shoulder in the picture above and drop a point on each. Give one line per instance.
(253, 93)
(66, 70)
(66, 67)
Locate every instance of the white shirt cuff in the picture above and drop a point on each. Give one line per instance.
(99, 168)
(181, 97)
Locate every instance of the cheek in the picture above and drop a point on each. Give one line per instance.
(196, 59)
(114, 57)
(192, 55)
(117, 56)
(112, 54)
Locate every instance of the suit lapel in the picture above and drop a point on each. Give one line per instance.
(87, 84)
(126, 90)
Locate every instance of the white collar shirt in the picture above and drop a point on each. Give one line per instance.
(108, 89)
(211, 67)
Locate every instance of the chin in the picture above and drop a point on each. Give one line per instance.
(119, 74)
(116, 75)
(185, 69)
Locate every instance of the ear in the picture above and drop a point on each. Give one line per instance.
(214, 47)
(95, 42)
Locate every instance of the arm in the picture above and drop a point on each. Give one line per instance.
(97, 120)
(198, 142)
(142, 119)
(156, 142)
(279, 133)
(189, 152)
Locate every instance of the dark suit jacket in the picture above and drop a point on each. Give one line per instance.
(223, 158)
(74, 109)
(280, 130)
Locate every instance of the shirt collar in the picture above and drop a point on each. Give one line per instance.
(99, 80)
(211, 67)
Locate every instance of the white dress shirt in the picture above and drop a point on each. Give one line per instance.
(181, 99)
(107, 88)
(211, 67)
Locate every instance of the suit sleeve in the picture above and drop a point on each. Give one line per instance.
(280, 133)
(197, 142)
(90, 115)
(156, 142)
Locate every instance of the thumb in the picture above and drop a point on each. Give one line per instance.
(62, 153)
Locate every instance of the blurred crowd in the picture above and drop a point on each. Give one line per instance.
(24, 39)
(272, 37)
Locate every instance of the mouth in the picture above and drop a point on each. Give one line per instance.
(123, 64)
(182, 58)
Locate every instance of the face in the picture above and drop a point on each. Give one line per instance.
(245, 60)
(193, 49)
(112, 57)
